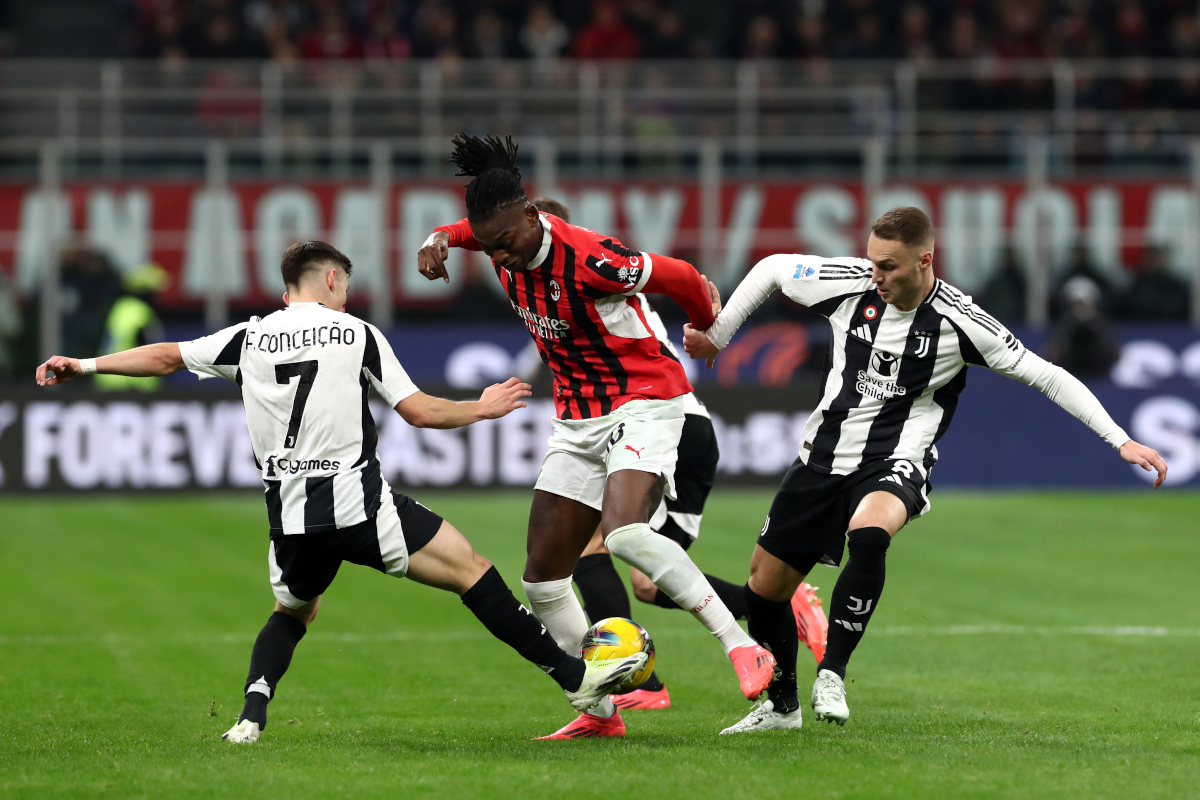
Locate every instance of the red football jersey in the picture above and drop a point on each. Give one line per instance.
(578, 305)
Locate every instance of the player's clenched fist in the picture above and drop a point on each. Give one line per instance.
(500, 399)
(698, 345)
(431, 258)
(59, 369)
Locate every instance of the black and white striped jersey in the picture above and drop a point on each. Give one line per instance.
(893, 377)
(304, 373)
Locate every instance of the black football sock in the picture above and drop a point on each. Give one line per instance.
(773, 625)
(604, 596)
(502, 614)
(732, 595)
(855, 595)
(270, 658)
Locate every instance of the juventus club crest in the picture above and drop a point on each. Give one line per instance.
(923, 340)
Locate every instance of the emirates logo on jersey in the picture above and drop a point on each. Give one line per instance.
(555, 291)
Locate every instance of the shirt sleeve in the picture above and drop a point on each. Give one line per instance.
(819, 283)
(615, 269)
(217, 355)
(460, 235)
(991, 345)
(384, 371)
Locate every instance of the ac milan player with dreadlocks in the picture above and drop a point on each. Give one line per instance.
(600, 585)
(618, 401)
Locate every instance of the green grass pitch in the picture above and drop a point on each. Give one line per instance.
(1028, 645)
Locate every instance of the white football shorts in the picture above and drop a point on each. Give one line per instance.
(642, 435)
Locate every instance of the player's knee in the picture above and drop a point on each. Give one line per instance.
(868, 547)
(643, 588)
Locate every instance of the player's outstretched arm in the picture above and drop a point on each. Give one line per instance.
(681, 282)
(1146, 458)
(759, 284)
(500, 399)
(152, 360)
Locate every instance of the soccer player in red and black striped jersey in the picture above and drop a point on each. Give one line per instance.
(612, 455)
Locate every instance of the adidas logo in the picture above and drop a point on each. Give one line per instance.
(850, 626)
(862, 332)
(893, 478)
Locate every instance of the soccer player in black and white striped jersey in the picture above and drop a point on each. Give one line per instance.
(902, 341)
(305, 373)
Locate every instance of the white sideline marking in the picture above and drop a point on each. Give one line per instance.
(672, 631)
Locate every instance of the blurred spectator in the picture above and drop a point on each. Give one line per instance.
(230, 103)
(606, 35)
(962, 40)
(1155, 293)
(218, 35)
(1184, 36)
(1186, 93)
(1083, 342)
(868, 40)
(1082, 267)
(384, 40)
(330, 37)
(762, 38)
(132, 322)
(1074, 35)
(1020, 30)
(544, 36)
(667, 38)
(489, 36)
(90, 285)
(11, 325)
(914, 32)
(434, 30)
(810, 36)
(166, 34)
(1130, 34)
(1004, 294)
(260, 15)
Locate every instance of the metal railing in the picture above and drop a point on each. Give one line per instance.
(768, 116)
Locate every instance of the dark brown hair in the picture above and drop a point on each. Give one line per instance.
(551, 206)
(304, 257)
(905, 224)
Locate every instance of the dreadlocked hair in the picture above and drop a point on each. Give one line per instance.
(492, 164)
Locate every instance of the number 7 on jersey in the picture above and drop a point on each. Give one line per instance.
(307, 370)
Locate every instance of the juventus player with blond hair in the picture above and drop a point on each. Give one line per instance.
(304, 373)
(902, 341)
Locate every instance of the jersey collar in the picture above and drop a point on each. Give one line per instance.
(300, 306)
(544, 250)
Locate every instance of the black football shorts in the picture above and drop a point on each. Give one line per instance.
(304, 565)
(811, 511)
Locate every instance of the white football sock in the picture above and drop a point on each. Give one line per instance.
(555, 605)
(666, 563)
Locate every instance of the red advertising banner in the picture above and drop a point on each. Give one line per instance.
(233, 236)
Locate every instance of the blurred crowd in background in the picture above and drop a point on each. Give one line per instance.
(624, 29)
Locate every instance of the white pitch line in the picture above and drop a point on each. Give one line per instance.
(668, 632)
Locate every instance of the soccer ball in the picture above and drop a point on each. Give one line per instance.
(617, 637)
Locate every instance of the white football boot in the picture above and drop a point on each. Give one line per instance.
(764, 717)
(829, 698)
(601, 677)
(245, 731)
